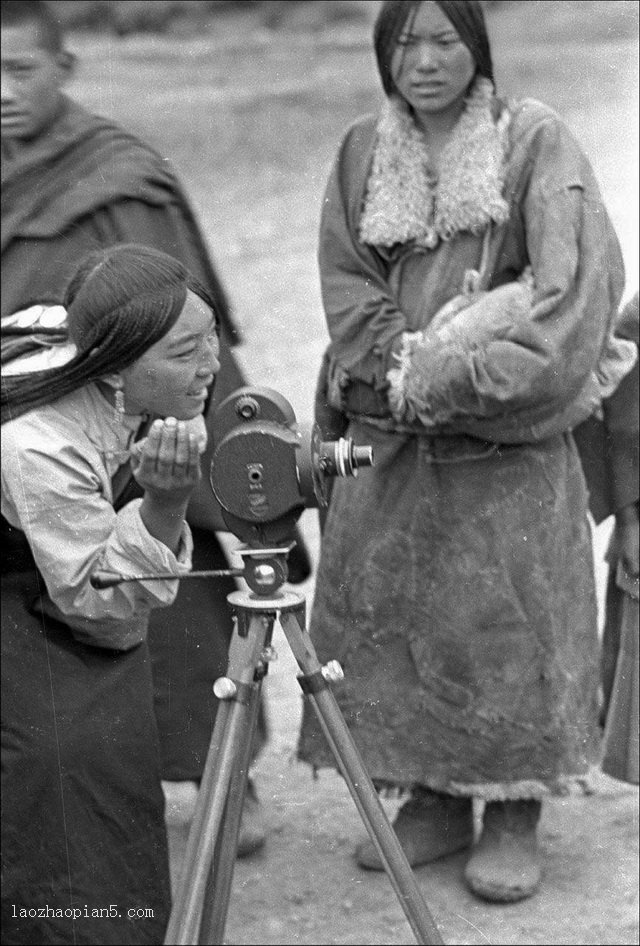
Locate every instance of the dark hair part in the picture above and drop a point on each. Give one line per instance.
(120, 301)
(38, 12)
(466, 16)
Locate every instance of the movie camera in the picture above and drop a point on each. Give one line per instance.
(263, 475)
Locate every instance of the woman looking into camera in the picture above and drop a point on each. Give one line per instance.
(83, 809)
(470, 278)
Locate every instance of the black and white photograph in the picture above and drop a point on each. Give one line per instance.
(320, 504)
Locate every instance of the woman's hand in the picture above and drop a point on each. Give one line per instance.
(167, 462)
(167, 467)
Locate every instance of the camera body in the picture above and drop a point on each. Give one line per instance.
(254, 472)
(264, 472)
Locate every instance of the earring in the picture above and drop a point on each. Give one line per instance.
(120, 400)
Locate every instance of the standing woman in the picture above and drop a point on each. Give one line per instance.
(470, 277)
(83, 808)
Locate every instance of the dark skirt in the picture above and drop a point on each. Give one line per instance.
(84, 850)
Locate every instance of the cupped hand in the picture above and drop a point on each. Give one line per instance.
(167, 463)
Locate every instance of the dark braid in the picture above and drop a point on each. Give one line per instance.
(120, 302)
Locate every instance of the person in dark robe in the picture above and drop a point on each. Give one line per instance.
(72, 182)
(609, 448)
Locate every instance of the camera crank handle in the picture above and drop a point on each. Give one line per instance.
(110, 579)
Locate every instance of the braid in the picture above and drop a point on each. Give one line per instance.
(120, 302)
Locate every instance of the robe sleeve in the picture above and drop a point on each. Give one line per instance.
(363, 319)
(55, 494)
(169, 227)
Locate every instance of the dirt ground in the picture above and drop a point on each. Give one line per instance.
(251, 119)
(304, 887)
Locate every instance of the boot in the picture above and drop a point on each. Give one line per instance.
(430, 825)
(505, 864)
(181, 798)
(252, 830)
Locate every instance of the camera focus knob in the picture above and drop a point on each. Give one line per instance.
(247, 407)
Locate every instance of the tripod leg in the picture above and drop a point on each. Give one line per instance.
(359, 783)
(224, 759)
(218, 891)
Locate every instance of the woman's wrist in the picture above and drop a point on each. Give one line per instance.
(164, 520)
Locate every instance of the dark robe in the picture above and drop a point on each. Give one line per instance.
(609, 450)
(82, 804)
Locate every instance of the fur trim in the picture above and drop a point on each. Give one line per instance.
(432, 364)
(590, 783)
(407, 201)
(433, 381)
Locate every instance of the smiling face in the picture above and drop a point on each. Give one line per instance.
(32, 78)
(431, 66)
(172, 378)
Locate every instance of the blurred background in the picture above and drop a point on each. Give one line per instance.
(249, 100)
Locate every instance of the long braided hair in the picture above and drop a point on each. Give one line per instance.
(120, 301)
(466, 16)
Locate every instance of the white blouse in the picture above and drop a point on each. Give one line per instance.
(57, 463)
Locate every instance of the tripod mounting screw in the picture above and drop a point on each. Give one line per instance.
(332, 672)
(224, 688)
(264, 575)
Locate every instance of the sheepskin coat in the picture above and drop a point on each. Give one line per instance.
(456, 581)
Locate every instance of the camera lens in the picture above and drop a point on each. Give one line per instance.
(361, 456)
(343, 458)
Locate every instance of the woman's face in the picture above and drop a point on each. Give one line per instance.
(431, 66)
(172, 378)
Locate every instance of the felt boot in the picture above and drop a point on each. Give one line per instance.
(252, 833)
(429, 826)
(505, 864)
(181, 798)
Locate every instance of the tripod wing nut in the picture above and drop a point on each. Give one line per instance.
(224, 688)
(332, 672)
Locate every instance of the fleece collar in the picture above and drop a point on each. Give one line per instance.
(406, 201)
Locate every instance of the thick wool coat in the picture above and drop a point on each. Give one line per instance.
(456, 581)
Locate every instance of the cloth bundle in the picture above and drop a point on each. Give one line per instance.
(436, 380)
